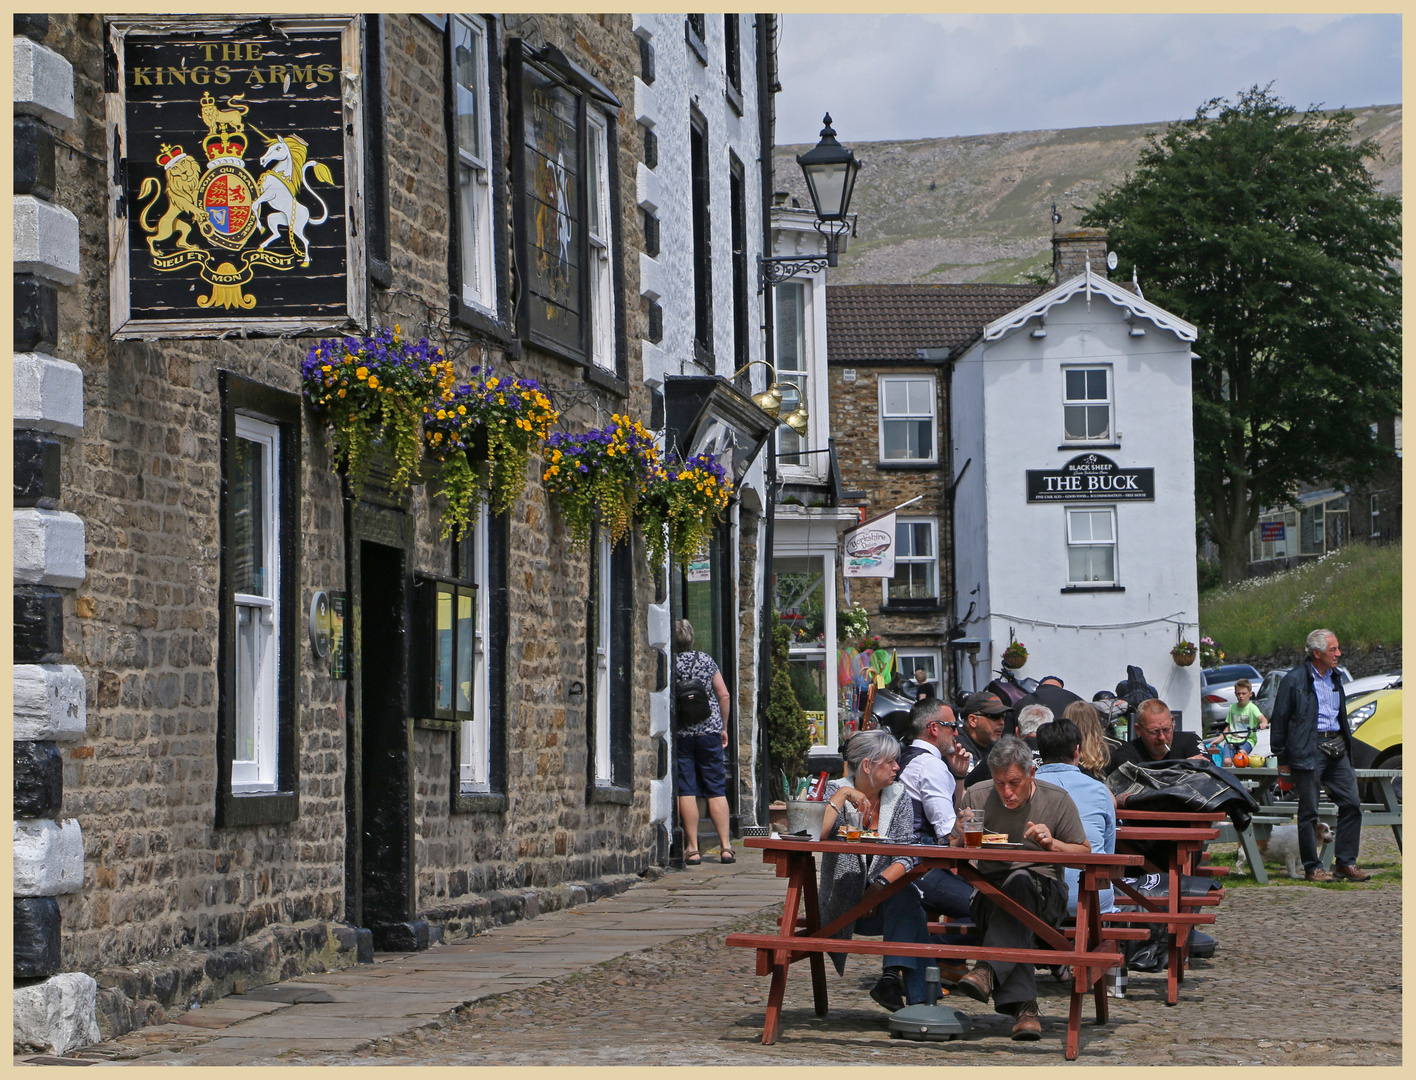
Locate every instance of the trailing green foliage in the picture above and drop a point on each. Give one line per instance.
(1264, 228)
(787, 736)
(1354, 591)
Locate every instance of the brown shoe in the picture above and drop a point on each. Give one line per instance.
(1028, 1026)
(951, 971)
(1351, 873)
(1318, 874)
(978, 983)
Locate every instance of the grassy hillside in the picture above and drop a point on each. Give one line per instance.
(978, 208)
(1354, 591)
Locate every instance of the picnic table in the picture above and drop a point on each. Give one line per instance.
(1182, 837)
(1263, 783)
(1090, 948)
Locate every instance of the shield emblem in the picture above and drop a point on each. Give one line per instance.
(226, 199)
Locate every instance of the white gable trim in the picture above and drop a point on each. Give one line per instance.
(1090, 283)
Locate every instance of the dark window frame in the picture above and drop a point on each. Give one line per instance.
(621, 667)
(737, 213)
(376, 246)
(282, 409)
(695, 33)
(732, 60)
(702, 226)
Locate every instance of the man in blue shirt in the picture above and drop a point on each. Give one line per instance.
(1309, 736)
(1060, 744)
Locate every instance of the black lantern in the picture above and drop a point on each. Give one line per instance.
(830, 170)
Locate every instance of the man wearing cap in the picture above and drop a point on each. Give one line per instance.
(983, 724)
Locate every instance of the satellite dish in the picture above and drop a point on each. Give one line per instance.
(1111, 260)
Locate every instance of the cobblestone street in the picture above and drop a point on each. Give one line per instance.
(578, 994)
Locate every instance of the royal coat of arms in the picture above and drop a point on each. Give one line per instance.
(218, 198)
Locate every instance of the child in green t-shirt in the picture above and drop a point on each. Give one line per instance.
(1243, 719)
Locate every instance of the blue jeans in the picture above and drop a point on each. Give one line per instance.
(1337, 776)
(901, 918)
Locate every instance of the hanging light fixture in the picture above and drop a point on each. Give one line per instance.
(830, 170)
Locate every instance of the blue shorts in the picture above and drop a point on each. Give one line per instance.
(698, 766)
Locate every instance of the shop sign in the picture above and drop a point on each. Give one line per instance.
(870, 549)
(1090, 477)
(238, 149)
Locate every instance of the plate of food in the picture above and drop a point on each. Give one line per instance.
(998, 840)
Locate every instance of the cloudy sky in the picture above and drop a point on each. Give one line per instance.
(929, 75)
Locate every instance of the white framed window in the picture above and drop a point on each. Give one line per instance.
(907, 413)
(1086, 404)
(473, 136)
(907, 662)
(1091, 546)
(1376, 512)
(602, 293)
(475, 766)
(916, 561)
(604, 765)
(255, 555)
(792, 367)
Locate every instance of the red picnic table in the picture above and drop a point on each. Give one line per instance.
(1183, 836)
(1090, 952)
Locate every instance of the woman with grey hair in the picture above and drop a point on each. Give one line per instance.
(699, 768)
(877, 803)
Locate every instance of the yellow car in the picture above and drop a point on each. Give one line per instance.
(1376, 730)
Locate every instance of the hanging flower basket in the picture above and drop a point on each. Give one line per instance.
(599, 477)
(1210, 652)
(372, 388)
(495, 420)
(1015, 655)
(1184, 654)
(686, 499)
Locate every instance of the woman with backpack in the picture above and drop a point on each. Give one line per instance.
(701, 701)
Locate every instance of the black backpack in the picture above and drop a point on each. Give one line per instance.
(691, 701)
(1134, 688)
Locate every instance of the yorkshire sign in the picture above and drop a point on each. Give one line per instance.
(1090, 477)
(870, 549)
(237, 144)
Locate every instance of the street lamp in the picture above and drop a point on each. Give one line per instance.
(830, 170)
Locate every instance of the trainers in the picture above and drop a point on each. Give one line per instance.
(978, 983)
(1318, 874)
(889, 992)
(1351, 873)
(1028, 1025)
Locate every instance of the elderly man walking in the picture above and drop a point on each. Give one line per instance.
(1310, 737)
(1040, 816)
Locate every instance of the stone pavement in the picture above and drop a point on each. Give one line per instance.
(644, 978)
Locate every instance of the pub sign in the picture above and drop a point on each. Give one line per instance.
(1088, 478)
(238, 149)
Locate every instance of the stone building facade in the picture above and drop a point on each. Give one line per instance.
(373, 819)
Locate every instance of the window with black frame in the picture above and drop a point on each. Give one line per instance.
(565, 193)
(702, 240)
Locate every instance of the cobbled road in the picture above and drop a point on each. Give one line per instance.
(1287, 954)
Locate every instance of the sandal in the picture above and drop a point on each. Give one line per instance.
(727, 856)
(692, 858)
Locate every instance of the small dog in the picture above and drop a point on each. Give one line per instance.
(1282, 846)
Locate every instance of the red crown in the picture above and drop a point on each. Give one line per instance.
(170, 155)
(234, 146)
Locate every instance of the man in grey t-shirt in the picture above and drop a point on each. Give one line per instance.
(1042, 817)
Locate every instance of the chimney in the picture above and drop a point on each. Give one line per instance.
(1072, 249)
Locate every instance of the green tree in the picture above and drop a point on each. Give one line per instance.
(1263, 227)
(788, 738)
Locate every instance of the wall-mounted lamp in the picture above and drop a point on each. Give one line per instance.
(830, 170)
(770, 400)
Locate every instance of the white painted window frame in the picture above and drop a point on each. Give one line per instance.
(475, 768)
(803, 377)
(1110, 402)
(475, 198)
(604, 765)
(914, 560)
(1115, 544)
(907, 670)
(260, 771)
(932, 416)
(601, 236)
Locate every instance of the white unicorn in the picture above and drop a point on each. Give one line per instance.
(279, 185)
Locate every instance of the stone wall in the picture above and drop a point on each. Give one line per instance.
(160, 879)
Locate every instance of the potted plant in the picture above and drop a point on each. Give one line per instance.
(1210, 652)
(599, 476)
(1015, 655)
(681, 503)
(1184, 653)
(494, 420)
(375, 388)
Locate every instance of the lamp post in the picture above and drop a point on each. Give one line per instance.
(830, 170)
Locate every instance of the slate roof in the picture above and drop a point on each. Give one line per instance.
(871, 323)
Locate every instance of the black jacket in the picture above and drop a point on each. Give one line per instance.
(1293, 728)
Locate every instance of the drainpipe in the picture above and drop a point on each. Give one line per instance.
(767, 87)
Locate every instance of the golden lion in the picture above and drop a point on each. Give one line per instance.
(182, 181)
(224, 121)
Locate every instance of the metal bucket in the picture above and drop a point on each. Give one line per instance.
(805, 814)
